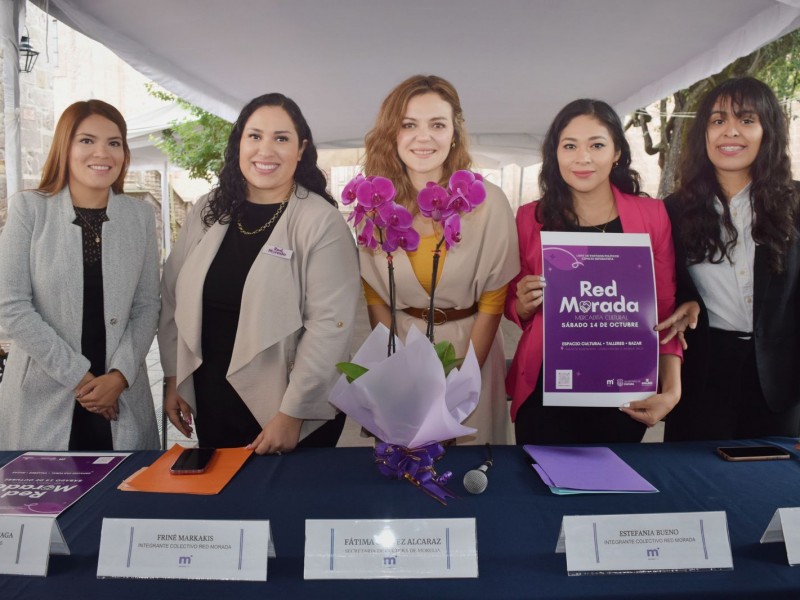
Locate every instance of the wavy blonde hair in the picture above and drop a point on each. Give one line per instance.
(55, 174)
(381, 142)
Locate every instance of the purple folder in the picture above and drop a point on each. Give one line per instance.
(580, 470)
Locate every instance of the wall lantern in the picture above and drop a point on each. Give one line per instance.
(27, 55)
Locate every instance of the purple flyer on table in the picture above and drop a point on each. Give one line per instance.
(47, 483)
(599, 311)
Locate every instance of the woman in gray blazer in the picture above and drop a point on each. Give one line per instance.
(79, 281)
(259, 294)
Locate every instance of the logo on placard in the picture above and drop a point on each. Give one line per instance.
(604, 299)
(184, 561)
(389, 561)
(619, 382)
(652, 553)
(609, 382)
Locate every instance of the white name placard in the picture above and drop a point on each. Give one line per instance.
(27, 542)
(785, 527)
(646, 543)
(185, 549)
(391, 549)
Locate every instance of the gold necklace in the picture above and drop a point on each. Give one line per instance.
(89, 225)
(608, 220)
(269, 223)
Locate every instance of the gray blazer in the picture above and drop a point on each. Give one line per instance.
(297, 314)
(41, 304)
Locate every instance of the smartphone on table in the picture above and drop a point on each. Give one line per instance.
(192, 461)
(745, 453)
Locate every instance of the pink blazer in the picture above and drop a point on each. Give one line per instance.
(638, 215)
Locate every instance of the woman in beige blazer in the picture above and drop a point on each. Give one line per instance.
(79, 281)
(418, 137)
(259, 294)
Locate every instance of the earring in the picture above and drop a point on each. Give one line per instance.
(453, 145)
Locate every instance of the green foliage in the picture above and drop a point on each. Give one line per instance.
(780, 68)
(351, 370)
(197, 145)
(447, 354)
(444, 350)
(777, 64)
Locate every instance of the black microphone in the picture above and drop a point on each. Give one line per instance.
(475, 480)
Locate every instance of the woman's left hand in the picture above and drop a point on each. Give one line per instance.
(651, 410)
(685, 317)
(280, 435)
(101, 394)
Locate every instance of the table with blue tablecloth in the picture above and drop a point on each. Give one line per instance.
(518, 522)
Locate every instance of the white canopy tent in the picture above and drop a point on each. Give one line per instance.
(514, 62)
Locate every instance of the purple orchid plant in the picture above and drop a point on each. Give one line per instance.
(380, 221)
(464, 192)
(382, 216)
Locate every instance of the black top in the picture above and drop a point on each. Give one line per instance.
(89, 430)
(613, 226)
(223, 419)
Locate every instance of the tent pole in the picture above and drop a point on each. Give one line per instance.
(166, 208)
(10, 15)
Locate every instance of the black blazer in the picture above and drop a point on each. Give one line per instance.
(776, 325)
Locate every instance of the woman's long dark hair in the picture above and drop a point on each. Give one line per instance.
(555, 210)
(773, 194)
(226, 200)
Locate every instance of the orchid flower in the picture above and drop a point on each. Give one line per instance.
(466, 191)
(394, 215)
(452, 231)
(433, 201)
(366, 237)
(357, 215)
(405, 238)
(374, 192)
(349, 191)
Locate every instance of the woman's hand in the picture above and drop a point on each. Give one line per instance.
(280, 435)
(178, 412)
(530, 294)
(101, 394)
(86, 379)
(684, 316)
(651, 410)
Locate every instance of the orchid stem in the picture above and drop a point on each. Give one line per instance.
(436, 255)
(392, 310)
(393, 317)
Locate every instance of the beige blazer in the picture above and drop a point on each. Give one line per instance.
(41, 304)
(485, 260)
(297, 313)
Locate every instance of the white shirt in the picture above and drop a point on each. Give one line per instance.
(727, 287)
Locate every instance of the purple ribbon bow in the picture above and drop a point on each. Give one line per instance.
(416, 466)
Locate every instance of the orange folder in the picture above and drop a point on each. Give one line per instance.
(157, 478)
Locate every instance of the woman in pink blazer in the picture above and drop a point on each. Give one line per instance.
(587, 185)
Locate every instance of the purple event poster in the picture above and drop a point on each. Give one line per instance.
(47, 483)
(599, 311)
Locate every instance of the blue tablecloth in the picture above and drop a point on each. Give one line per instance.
(518, 521)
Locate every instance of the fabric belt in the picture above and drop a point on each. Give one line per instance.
(442, 315)
(728, 334)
